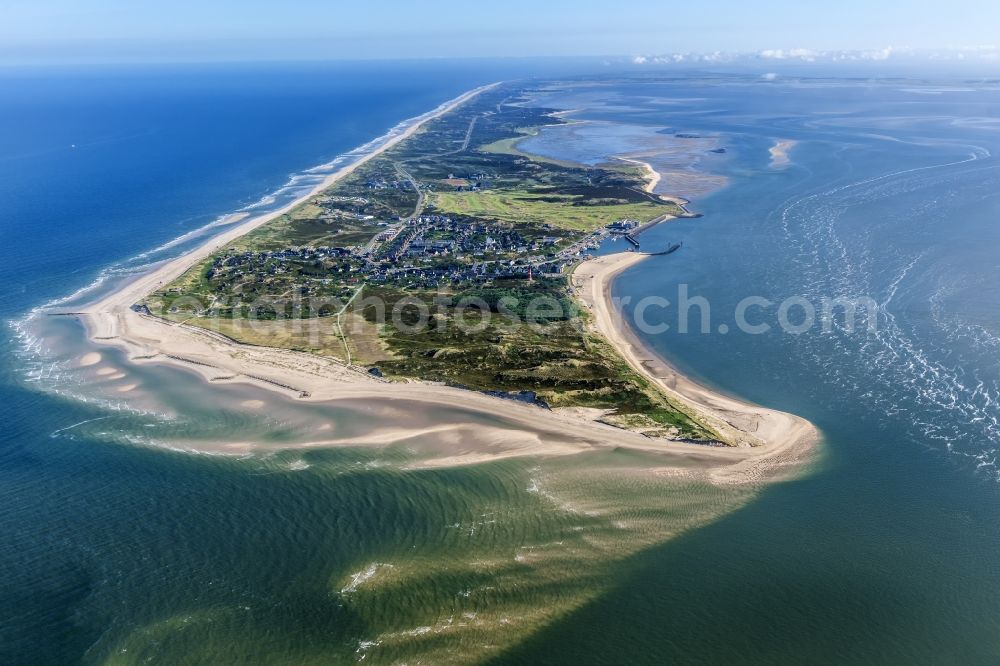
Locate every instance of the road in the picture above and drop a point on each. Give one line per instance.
(421, 195)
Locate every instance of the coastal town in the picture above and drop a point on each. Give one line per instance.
(429, 251)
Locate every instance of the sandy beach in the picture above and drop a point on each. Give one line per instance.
(779, 441)
(765, 443)
(653, 178)
(652, 175)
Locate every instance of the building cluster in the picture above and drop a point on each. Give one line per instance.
(623, 226)
(425, 252)
(385, 184)
(433, 236)
(472, 182)
(272, 263)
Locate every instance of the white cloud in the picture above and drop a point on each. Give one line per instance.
(983, 53)
(881, 54)
(791, 54)
(677, 58)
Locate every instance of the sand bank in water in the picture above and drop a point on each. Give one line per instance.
(779, 153)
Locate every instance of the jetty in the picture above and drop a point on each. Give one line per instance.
(670, 249)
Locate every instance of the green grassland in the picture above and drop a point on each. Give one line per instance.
(563, 211)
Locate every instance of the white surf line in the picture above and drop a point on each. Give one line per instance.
(70, 427)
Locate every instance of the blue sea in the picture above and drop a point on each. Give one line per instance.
(115, 551)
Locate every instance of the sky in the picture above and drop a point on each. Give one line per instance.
(70, 31)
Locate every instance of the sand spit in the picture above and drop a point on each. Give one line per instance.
(778, 440)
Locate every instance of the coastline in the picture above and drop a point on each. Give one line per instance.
(782, 441)
(769, 442)
(135, 290)
(653, 179)
(653, 176)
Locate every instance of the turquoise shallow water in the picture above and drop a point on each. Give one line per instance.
(121, 552)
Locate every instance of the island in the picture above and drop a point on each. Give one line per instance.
(448, 265)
